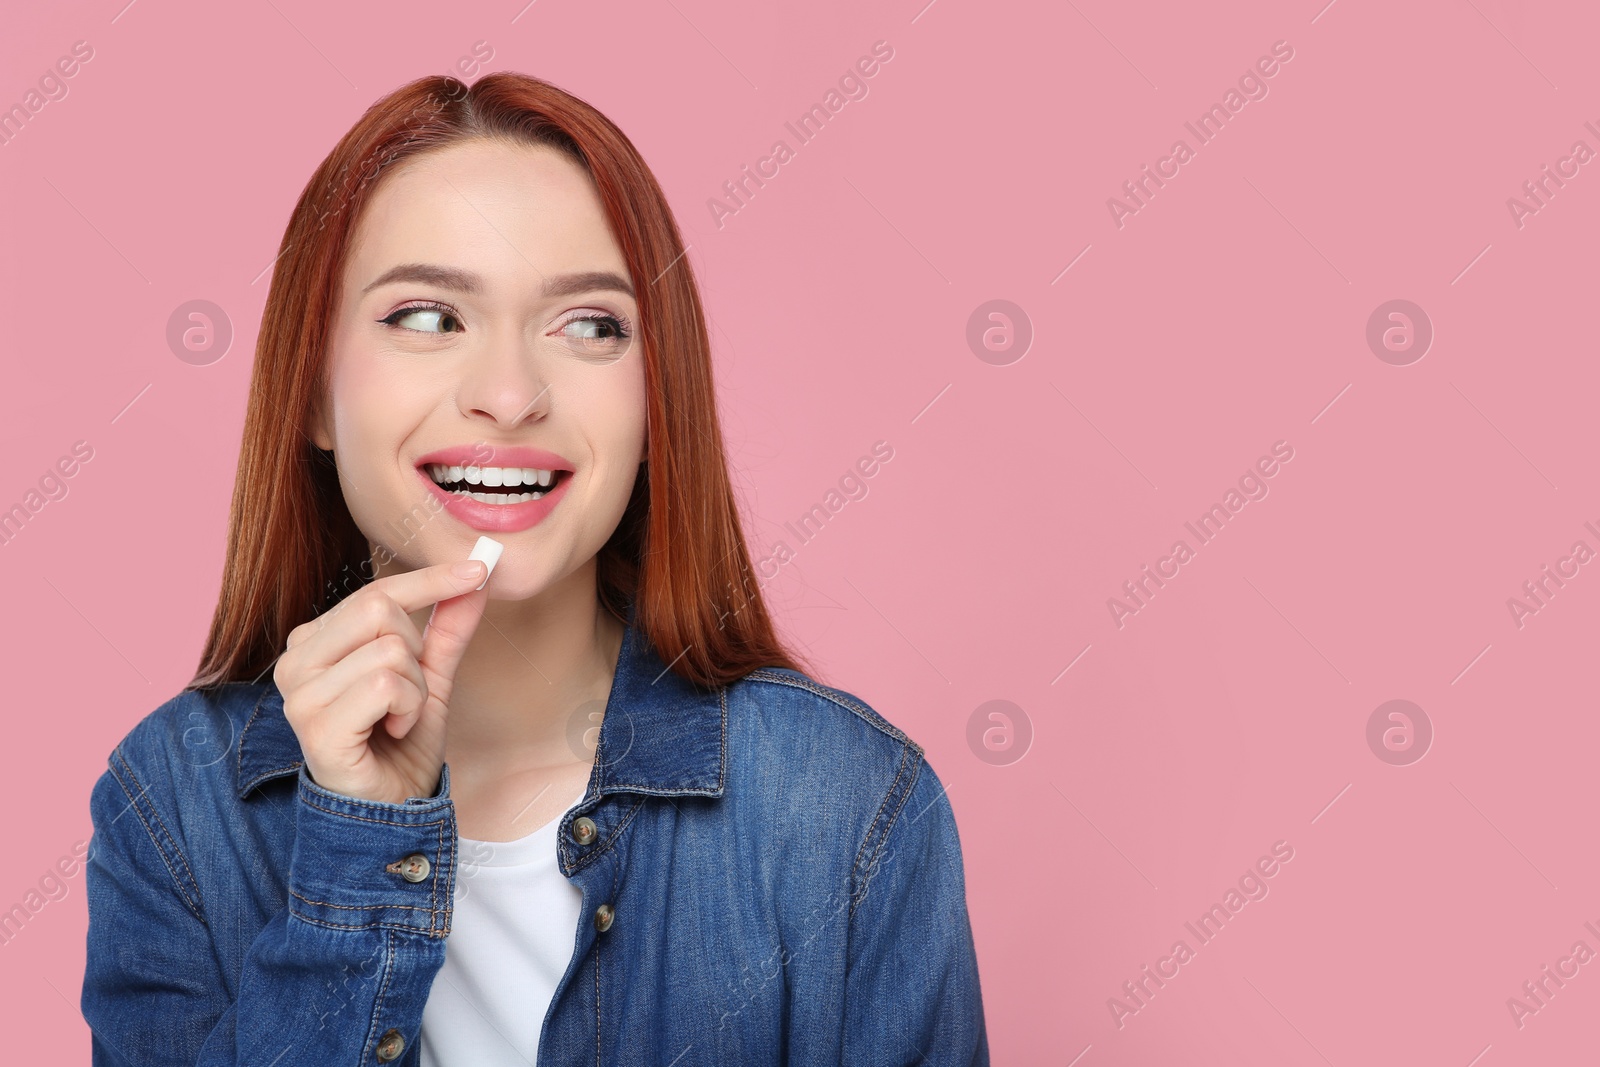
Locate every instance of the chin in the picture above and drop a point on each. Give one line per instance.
(516, 586)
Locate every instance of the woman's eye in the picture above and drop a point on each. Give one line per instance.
(599, 333)
(425, 320)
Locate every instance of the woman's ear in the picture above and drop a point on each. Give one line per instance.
(317, 426)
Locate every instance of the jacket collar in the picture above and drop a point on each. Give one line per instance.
(660, 734)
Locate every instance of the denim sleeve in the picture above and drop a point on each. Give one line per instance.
(337, 977)
(911, 984)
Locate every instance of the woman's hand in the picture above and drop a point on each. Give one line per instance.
(364, 661)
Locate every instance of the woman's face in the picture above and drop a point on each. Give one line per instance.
(485, 342)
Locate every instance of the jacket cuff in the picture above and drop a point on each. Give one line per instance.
(365, 864)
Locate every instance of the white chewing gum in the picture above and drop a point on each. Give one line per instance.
(487, 551)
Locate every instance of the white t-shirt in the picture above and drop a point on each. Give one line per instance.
(511, 937)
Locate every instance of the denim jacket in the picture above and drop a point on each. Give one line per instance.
(770, 872)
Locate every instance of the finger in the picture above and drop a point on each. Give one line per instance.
(450, 630)
(342, 730)
(299, 634)
(415, 590)
(388, 652)
(355, 621)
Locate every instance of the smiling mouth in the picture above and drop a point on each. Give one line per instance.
(495, 485)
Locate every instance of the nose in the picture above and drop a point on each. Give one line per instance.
(502, 383)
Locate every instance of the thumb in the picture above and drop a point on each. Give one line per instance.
(444, 642)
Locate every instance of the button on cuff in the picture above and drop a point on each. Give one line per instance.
(360, 864)
(414, 868)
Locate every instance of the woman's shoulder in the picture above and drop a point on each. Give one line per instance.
(805, 737)
(801, 701)
(188, 741)
(174, 778)
(195, 726)
(835, 787)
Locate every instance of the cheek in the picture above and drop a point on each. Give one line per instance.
(608, 411)
(374, 399)
(376, 402)
(608, 407)
(632, 413)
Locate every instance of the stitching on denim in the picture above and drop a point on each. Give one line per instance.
(613, 786)
(911, 759)
(866, 714)
(722, 759)
(872, 829)
(275, 772)
(195, 905)
(133, 802)
(722, 767)
(177, 853)
(650, 790)
(433, 887)
(255, 713)
(909, 752)
(435, 927)
(894, 820)
(377, 1005)
(376, 925)
(367, 818)
(359, 907)
(878, 815)
(239, 757)
(438, 920)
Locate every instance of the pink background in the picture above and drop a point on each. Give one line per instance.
(1229, 313)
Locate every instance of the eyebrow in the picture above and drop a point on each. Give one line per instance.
(465, 281)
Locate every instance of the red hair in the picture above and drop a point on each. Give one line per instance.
(679, 550)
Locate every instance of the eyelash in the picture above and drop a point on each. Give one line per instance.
(623, 327)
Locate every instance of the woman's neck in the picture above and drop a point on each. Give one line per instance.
(532, 687)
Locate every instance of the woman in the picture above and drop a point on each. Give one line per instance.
(481, 322)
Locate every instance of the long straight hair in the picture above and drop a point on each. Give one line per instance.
(678, 553)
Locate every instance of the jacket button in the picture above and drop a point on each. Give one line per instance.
(603, 916)
(414, 868)
(390, 1045)
(583, 830)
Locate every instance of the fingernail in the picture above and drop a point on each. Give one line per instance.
(470, 570)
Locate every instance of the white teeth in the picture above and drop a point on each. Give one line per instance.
(447, 474)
